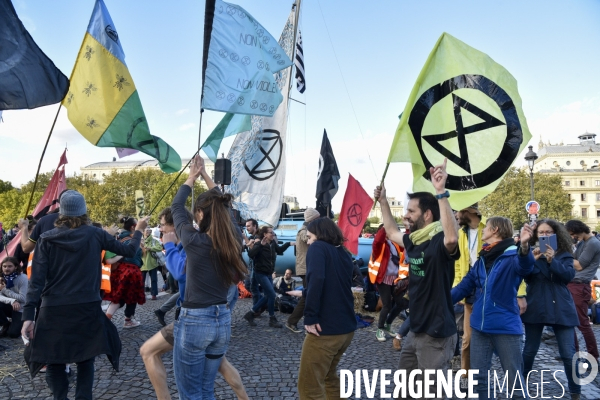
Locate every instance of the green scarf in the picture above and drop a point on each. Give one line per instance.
(425, 234)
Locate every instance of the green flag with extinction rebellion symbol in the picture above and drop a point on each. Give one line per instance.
(466, 107)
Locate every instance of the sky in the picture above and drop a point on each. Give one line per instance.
(361, 61)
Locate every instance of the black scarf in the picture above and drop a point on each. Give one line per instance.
(491, 253)
(9, 279)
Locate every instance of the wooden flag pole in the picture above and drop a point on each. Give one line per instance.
(382, 179)
(37, 174)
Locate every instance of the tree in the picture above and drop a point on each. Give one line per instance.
(513, 193)
(105, 201)
(5, 186)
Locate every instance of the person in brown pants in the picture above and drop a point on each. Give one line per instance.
(329, 318)
(310, 214)
(587, 260)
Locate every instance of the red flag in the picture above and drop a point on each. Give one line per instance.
(49, 200)
(355, 211)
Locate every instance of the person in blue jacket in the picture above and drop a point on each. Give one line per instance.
(549, 302)
(495, 322)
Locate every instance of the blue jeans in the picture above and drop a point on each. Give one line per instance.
(266, 281)
(232, 296)
(508, 348)
(566, 349)
(201, 340)
(254, 288)
(153, 280)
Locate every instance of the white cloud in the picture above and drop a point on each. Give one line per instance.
(182, 111)
(186, 127)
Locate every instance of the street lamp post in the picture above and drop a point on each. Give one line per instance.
(531, 157)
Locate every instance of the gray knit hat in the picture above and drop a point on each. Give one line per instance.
(311, 214)
(72, 204)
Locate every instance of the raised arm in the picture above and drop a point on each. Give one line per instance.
(389, 223)
(438, 179)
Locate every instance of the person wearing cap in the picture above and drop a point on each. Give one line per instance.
(70, 326)
(469, 243)
(310, 214)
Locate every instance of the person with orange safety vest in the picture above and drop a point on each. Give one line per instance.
(386, 267)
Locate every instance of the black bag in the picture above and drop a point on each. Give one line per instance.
(286, 304)
(370, 301)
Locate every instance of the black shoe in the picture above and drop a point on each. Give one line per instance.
(161, 317)
(293, 328)
(273, 323)
(249, 316)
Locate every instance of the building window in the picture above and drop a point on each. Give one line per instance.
(581, 183)
(568, 162)
(568, 183)
(597, 213)
(569, 195)
(584, 212)
(597, 196)
(582, 196)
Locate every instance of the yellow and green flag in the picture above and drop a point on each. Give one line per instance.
(464, 107)
(103, 102)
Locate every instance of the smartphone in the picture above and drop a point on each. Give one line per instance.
(548, 240)
(25, 340)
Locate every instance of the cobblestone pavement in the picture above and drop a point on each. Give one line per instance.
(266, 358)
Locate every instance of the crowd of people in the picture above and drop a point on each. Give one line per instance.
(472, 289)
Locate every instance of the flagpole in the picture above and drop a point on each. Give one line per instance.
(37, 174)
(173, 183)
(382, 179)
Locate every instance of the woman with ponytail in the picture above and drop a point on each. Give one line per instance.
(214, 263)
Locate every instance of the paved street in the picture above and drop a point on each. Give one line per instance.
(267, 359)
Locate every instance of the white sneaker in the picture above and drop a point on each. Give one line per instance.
(131, 323)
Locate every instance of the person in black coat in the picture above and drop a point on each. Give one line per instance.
(70, 326)
(329, 318)
(549, 302)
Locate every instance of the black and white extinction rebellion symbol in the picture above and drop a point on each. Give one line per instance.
(265, 162)
(477, 174)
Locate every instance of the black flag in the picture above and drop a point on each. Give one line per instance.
(328, 176)
(28, 78)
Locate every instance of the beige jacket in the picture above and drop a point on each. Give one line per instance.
(301, 250)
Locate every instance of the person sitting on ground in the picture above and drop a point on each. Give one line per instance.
(163, 341)
(13, 288)
(284, 283)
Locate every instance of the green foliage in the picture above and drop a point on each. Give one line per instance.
(5, 186)
(107, 201)
(513, 193)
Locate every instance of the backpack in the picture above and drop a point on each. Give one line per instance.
(286, 304)
(371, 297)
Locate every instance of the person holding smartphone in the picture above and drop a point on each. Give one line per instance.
(549, 302)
